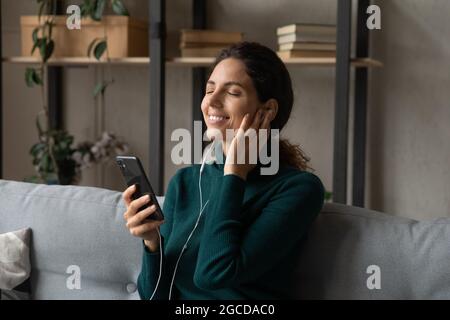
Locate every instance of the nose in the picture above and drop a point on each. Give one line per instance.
(215, 99)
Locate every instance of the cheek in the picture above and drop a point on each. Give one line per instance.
(236, 121)
(203, 105)
(239, 108)
(239, 112)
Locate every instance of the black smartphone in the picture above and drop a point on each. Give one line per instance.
(134, 174)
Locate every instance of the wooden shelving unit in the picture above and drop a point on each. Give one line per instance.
(183, 62)
(344, 63)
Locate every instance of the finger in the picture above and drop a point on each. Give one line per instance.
(251, 132)
(138, 203)
(142, 229)
(257, 119)
(257, 122)
(252, 144)
(128, 193)
(139, 217)
(244, 124)
(265, 125)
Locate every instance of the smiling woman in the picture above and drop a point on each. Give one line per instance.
(229, 231)
(246, 78)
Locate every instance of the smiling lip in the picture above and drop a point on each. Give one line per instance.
(215, 119)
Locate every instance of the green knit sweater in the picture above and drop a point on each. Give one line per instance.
(247, 241)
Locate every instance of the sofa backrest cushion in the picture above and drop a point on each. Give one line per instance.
(355, 253)
(75, 231)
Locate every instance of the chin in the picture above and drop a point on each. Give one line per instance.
(214, 133)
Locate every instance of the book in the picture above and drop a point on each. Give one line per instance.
(201, 52)
(306, 54)
(210, 36)
(300, 37)
(307, 28)
(307, 46)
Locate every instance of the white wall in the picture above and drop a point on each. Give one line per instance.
(408, 149)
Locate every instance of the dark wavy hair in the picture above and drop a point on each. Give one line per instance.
(271, 80)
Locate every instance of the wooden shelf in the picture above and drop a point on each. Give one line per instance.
(191, 61)
(366, 62)
(360, 62)
(184, 61)
(78, 61)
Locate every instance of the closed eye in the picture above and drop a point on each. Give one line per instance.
(230, 93)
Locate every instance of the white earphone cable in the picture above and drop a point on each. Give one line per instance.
(202, 208)
(160, 263)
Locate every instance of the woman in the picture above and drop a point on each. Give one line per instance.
(245, 235)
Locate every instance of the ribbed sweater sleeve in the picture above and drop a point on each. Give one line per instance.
(229, 255)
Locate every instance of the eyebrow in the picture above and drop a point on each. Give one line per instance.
(229, 83)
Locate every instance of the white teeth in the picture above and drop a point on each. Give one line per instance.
(215, 118)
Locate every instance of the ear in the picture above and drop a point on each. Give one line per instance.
(272, 105)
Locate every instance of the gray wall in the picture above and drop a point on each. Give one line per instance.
(408, 109)
(409, 113)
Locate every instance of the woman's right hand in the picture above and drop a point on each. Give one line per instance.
(135, 221)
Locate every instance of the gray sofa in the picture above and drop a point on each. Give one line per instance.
(350, 253)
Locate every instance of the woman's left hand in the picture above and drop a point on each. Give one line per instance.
(261, 120)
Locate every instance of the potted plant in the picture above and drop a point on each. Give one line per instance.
(55, 159)
(128, 37)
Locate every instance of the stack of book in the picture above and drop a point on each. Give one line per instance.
(206, 43)
(301, 40)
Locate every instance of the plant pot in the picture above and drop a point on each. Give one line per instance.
(127, 37)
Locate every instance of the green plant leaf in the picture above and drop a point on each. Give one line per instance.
(100, 49)
(36, 148)
(37, 79)
(91, 46)
(49, 47)
(119, 8)
(37, 44)
(64, 142)
(100, 88)
(35, 35)
(32, 77)
(99, 8)
(29, 77)
(46, 162)
(86, 8)
(42, 47)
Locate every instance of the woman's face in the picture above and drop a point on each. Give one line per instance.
(230, 94)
